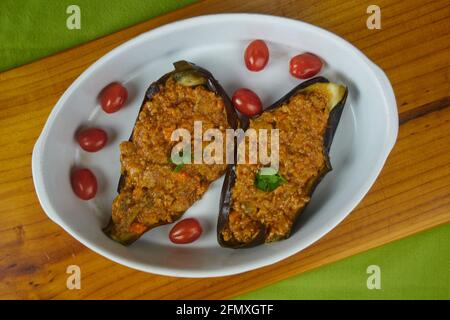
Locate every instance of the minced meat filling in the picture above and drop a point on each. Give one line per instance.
(302, 123)
(153, 193)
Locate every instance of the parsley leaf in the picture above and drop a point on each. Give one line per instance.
(268, 179)
(178, 167)
(180, 160)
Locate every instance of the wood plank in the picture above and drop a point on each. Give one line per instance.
(411, 194)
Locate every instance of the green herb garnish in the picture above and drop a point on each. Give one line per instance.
(268, 179)
(178, 167)
(180, 160)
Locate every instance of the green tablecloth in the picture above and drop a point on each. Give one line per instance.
(416, 267)
(30, 29)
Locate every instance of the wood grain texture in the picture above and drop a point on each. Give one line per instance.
(411, 194)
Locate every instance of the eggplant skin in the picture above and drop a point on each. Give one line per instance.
(187, 74)
(230, 176)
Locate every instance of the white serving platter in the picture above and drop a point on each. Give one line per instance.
(365, 136)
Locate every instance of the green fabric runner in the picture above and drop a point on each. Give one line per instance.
(416, 267)
(31, 29)
(412, 268)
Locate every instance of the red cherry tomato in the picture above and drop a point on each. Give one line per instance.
(305, 65)
(113, 97)
(256, 55)
(185, 231)
(84, 183)
(247, 102)
(92, 139)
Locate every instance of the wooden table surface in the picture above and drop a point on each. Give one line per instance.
(411, 194)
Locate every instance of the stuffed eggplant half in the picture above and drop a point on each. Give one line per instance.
(259, 204)
(152, 189)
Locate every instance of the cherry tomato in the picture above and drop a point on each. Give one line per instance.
(256, 55)
(84, 183)
(247, 102)
(113, 97)
(185, 231)
(92, 139)
(305, 65)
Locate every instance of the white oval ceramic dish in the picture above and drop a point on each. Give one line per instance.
(365, 136)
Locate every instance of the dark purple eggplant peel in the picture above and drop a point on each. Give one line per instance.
(185, 74)
(335, 104)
